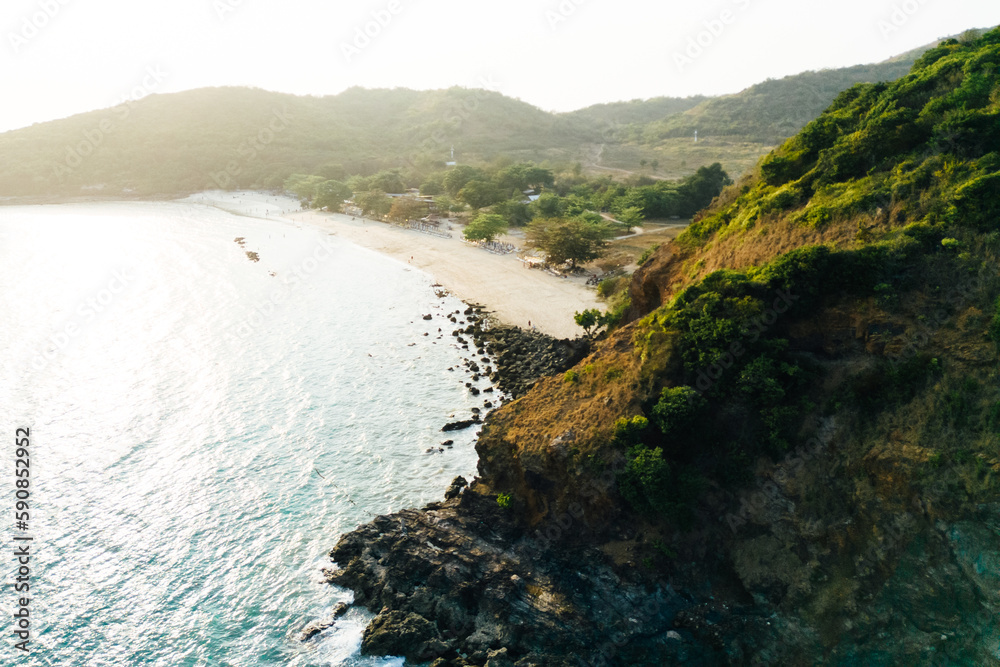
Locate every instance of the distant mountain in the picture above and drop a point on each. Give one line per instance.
(251, 138)
(771, 111)
(229, 137)
(640, 112)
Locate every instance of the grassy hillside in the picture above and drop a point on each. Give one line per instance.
(176, 142)
(238, 137)
(612, 116)
(771, 111)
(804, 417)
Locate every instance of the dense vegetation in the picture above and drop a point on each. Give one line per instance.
(912, 168)
(248, 138)
(767, 112)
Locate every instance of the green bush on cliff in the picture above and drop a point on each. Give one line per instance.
(656, 487)
(677, 410)
(920, 149)
(630, 432)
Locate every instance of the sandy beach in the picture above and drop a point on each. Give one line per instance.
(516, 295)
(513, 293)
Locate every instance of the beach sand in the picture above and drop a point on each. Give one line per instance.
(515, 294)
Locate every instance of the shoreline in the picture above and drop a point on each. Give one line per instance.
(510, 292)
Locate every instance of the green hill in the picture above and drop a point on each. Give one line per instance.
(254, 138)
(790, 455)
(771, 111)
(251, 138)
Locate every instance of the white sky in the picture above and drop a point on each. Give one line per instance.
(556, 54)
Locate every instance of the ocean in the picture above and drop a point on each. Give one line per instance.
(204, 426)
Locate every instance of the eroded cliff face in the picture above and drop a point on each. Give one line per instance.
(808, 473)
(857, 547)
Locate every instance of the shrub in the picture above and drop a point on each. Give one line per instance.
(504, 500)
(571, 377)
(994, 330)
(647, 254)
(629, 432)
(611, 286)
(676, 411)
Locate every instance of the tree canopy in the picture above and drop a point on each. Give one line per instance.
(485, 227)
(568, 240)
(374, 203)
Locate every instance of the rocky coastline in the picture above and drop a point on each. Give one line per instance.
(538, 562)
(512, 359)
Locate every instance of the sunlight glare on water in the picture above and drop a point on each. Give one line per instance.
(183, 403)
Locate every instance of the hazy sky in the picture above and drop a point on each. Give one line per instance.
(61, 57)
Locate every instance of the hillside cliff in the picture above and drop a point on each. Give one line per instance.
(789, 455)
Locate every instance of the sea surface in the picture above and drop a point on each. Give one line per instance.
(204, 427)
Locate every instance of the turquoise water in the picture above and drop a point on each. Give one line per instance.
(184, 403)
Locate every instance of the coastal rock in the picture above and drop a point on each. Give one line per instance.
(403, 633)
(467, 576)
(459, 425)
(521, 358)
(457, 486)
(319, 626)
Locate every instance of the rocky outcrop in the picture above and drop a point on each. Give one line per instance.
(320, 625)
(461, 582)
(651, 281)
(521, 357)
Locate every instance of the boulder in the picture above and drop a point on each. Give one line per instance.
(403, 633)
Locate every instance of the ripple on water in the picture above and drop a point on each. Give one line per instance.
(179, 434)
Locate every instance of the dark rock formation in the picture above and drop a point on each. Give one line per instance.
(403, 633)
(319, 626)
(460, 424)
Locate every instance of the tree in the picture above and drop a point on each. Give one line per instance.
(445, 204)
(432, 186)
(699, 189)
(456, 179)
(570, 241)
(486, 227)
(517, 212)
(591, 320)
(303, 186)
(374, 203)
(331, 195)
(480, 194)
(522, 176)
(407, 208)
(631, 217)
(549, 205)
(387, 181)
(359, 183)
